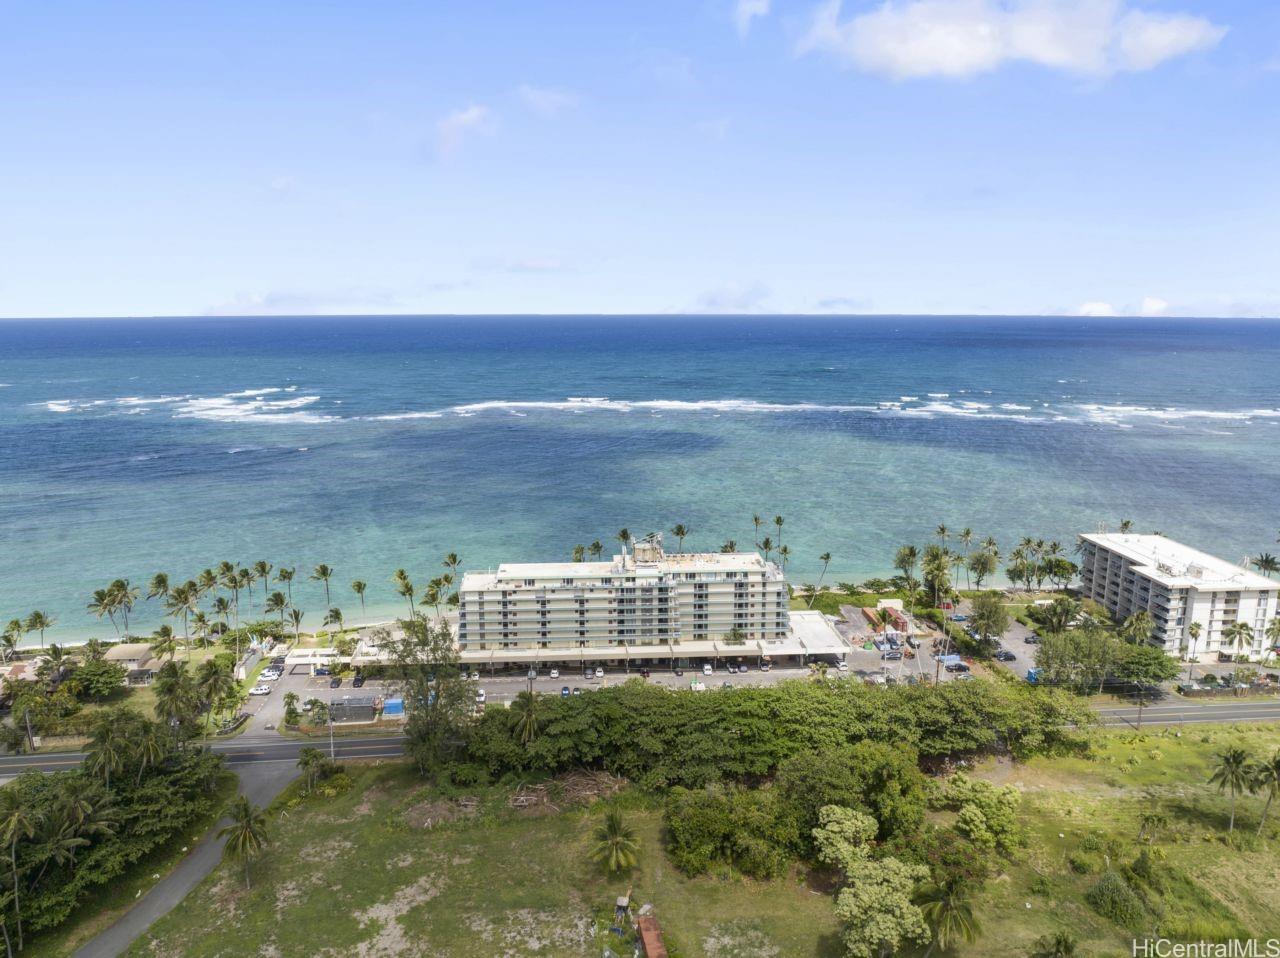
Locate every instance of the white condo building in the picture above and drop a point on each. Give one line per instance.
(642, 606)
(1177, 585)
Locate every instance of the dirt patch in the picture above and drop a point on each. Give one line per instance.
(320, 852)
(738, 940)
(526, 931)
(403, 860)
(572, 788)
(367, 801)
(431, 813)
(391, 939)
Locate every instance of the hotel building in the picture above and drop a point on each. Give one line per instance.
(644, 606)
(1177, 585)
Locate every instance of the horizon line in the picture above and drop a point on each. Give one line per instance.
(626, 315)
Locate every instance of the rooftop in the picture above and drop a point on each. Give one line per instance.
(517, 572)
(128, 651)
(1177, 565)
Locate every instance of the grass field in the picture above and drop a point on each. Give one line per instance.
(392, 867)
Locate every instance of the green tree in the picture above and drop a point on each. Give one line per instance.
(438, 695)
(1058, 945)
(38, 621)
(983, 565)
(825, 559)
(681, 532)
(18, 822)
(525, 708)
(109, 746)
(948, 911)
(322, 573)
(1231, 774)
(989, 618)
(1138, 627)
(1265, 776)
(615, 846)
(246, 834)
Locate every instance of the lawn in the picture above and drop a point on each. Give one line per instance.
(392, 867)
(98, 911)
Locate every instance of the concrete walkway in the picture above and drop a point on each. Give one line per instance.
(261, 782)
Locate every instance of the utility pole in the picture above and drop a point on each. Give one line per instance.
(331, 756)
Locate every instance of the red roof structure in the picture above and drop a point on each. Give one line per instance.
(651, 937)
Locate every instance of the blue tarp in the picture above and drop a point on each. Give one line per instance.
(393, 707)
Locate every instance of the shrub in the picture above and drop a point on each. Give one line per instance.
(1112, 898)
(1084, 863)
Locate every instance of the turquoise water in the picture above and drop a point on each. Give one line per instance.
(128, 447)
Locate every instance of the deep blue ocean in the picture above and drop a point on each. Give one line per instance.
(371, 443)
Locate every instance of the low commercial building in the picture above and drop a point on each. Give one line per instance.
(1178, 585)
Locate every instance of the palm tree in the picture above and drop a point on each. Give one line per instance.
(358, 587)
(778, 521)
(1240, 635)
(182, 602)
(948, 910)
(596, 549)
(680, 531)
(334, 617)
(148, 749)
(1266, 563)
(905, 561)
(246, 834)
(966, 540)
(13, 633)
(322, 573)
(207, 582)
(109, 746)
(982, 564)
(276, 604)
(176, 696)
(1193, 631)
(17, 822)
(123, 596)
(262, 572)
(784, 556)
(624, 537)
(1266, 779)
(1273, 636)
(765, 545)
(525, 708)
(451, 565)
(245, 579)
(310, 760)
(758, 522)
(295, 619)
(1058, 945)
(38, 621)
(159, 587)
(825, 558)
(1231, 774)
(730, 546)
(213, 683)
(616, 846)
(1138, 627)
(1126, 525)
(579, 553)
(100, 604)
(404, 588)
(286, 575)
(163, 643)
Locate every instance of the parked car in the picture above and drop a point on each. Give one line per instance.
(706, 669)
(726, 685)
(893, 655)
(260, 690)
(278, 661)
(679, 671)
(964, 677)
(474, 676)
(843, 666)
(321, 670)
(1004, 655)
(599, 672)
(1032, 639)
(957, 667)
(913, 642)
(564, 691)
(765, 667)
(742, 668)
(959, 618)
(577, 691)
(645, 673)
(357, 682)
(335, 682)
(554, 674)
(480, 696)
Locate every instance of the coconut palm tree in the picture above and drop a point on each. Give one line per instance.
(231, 582)
(624, 536)
(9, 639)
(616, 846)
(38, 621)
(163, 643)
(1231, 774)
(245, 578)
(176, 696)
(207, 582)
(777, 522)
(246, 834)
(334, 617)
(1266, 779)
(1273, 636)
(982, 564)
(262, 573)
(358, 587)
(1240, 635)
(405, 589)
(1138, 627)
(149, 748)
(1193, 632)
(322, 573)
(905, 561)
(966, 540)
(765, 545)
(123, 596)
(784, 556)
(159, 586)
(100, 604)
(680, 531)
(825, 559)
(182, 602)
(1058, 945)
(310, 761)
(286, 575)
(109, 748)
(17, 822)
(579, 553)
(730, 546)
(1266, 563)
(295, 619)
(596, 549)
(451, 565)
(525, 708)
(947, 908)
(276, 604)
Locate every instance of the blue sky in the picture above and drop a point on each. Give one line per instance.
(935, 156)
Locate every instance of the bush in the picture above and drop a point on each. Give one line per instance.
(729, 826)
(948, 855)
(1084, 863)
(1112, 898)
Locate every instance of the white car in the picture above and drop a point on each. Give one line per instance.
(480, 697)
(842, 665)
(474, 676)
(268, 676)
(554, 674)
(706, 669)
(599, 672)
(260, 690)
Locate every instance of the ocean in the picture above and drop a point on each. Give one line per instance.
(372, 443)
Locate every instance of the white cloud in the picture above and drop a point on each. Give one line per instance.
(546, 100)
(732, 298)
(962, 38)
(1096, 309)
(453, 129)
(747, 10)
(1153, 306)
